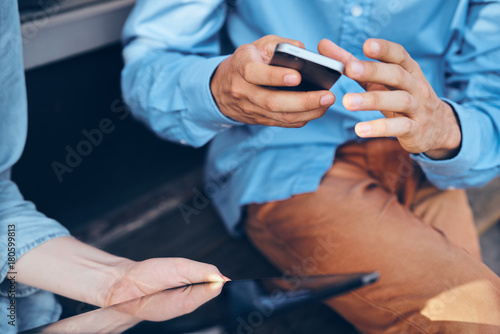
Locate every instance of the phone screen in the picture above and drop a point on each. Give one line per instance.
(314, 76)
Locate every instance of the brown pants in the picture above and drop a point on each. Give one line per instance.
(375, 211)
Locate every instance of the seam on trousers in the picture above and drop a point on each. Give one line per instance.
(371, 303)
(399, 315)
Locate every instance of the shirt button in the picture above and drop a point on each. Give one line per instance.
(225, 125)
(182, 141)
(356, 11)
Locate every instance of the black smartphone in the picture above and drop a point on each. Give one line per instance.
(318, 72)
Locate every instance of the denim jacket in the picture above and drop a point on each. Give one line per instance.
(22, 227)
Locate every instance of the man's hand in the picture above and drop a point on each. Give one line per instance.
(398, 88)
(238, 88)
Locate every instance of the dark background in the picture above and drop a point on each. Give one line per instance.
(76, 94)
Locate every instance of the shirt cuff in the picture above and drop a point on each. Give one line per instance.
(468, 153)
(201, 106)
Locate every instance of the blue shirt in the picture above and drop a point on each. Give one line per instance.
(33, 307)
(172, 48)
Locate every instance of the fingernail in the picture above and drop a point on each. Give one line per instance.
(327, 100)
(364, 128)
(292, 79)
(357, 68)
(355, 100)
(375, 48)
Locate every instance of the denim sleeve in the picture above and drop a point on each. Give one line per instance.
(473, 90)
(171, 52)
(31, 227)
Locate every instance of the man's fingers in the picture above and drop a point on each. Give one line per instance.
(390, 52)
(267, 44)
(298, 117)
(386, 101)
(329, 49)
(288, 101)
(266, 75)
(390, 75)
(258, 115)
(386, 127)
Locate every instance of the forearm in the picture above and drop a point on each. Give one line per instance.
(170, 92)
(171, 50)
(72, 269)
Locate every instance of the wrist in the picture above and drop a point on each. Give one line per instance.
(109, 278)
(451, 138)
(215, 84)
(72, 269)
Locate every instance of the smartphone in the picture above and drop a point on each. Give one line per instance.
(318, 72)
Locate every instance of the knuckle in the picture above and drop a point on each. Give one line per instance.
(407, 126)
(308, 102)
(242, 49)
(266, 39)
(270, 104)
(373, 99)
(245, 70)
(272, 76)
(297, 43)
(371, 68)
(288, 118)
(424, 89)
(408, 101)
(235, 90)
(399, 77)
(403, 55)
(416, 66)
(380, 127)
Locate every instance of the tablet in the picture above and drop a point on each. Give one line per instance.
(232, 306)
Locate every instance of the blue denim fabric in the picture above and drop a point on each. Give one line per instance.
(173, 47)
(33, 307)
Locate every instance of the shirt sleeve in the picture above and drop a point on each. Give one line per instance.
(171, 50)
(28, 228)
(473, 90)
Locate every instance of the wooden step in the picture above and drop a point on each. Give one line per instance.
(485, 203)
